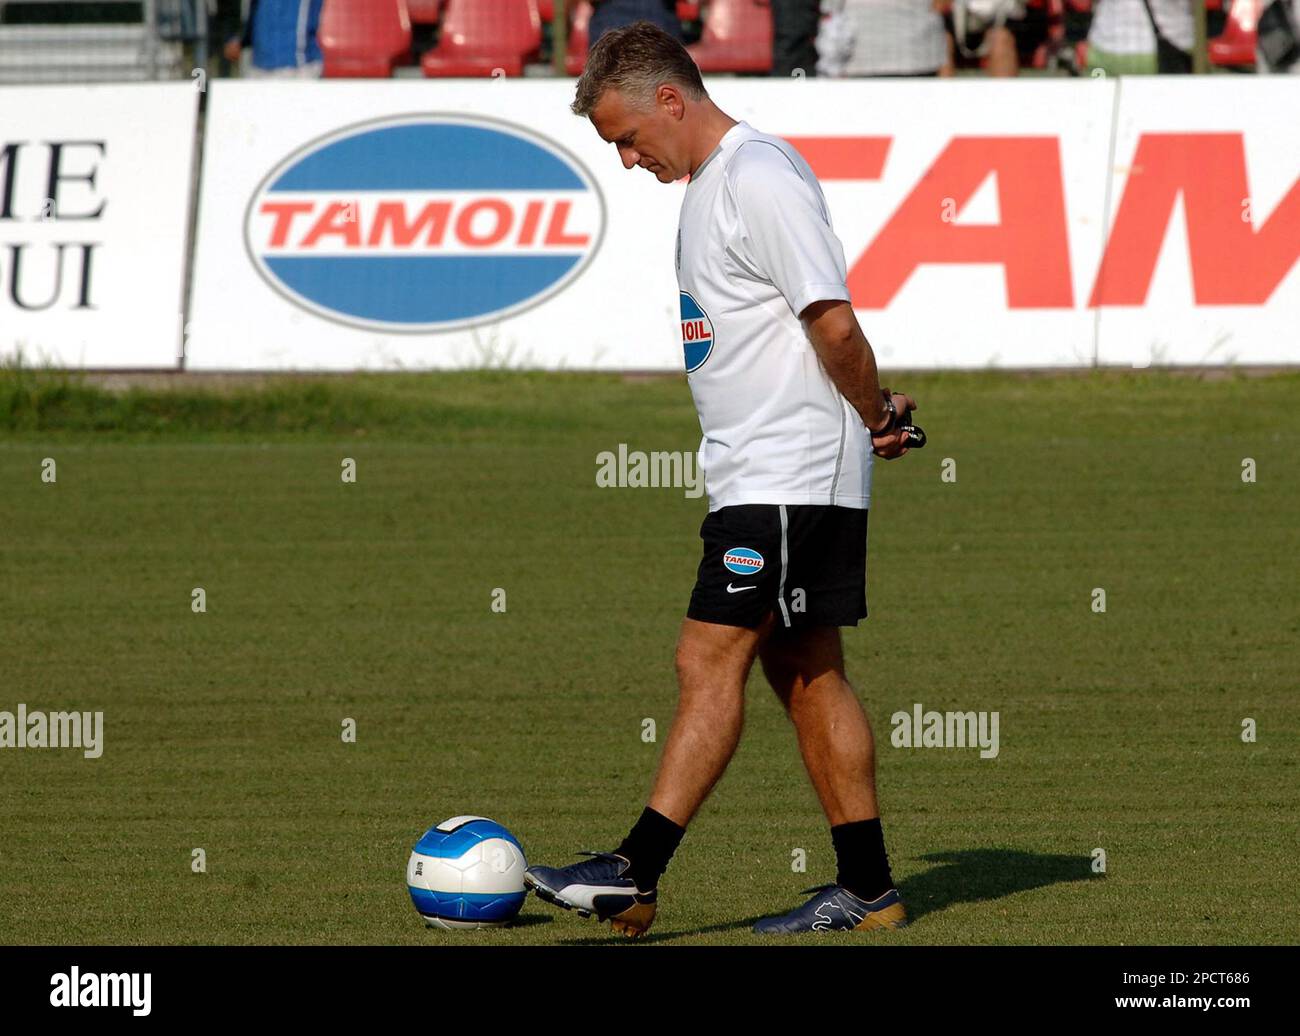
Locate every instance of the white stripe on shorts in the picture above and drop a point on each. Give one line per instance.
(785, 559)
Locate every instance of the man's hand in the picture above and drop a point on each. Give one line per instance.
(894, 442)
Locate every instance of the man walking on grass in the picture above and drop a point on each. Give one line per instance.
(791, 411)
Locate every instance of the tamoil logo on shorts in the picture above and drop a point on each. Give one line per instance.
(422, 223)
(743, 561)
(697, 333)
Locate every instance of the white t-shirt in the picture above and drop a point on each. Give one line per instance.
(754, 248)
(1123, 26)
(893, 37)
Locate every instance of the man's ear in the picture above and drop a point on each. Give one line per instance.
(671, 100)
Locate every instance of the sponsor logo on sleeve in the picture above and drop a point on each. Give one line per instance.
(697, 333)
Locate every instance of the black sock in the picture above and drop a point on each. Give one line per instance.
(863, 865)
(650, 845)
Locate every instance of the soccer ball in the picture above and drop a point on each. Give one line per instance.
(467, 872)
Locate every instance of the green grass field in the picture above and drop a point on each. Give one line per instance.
(372, 600)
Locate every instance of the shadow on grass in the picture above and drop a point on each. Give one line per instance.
(979, 875)
(963, 876)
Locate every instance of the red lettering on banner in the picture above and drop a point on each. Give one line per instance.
(283, 211)
(555, 234)
(1233, 261)
(482, 223)
(390, 219)
(532, 217)
(465, 223)
(1031, 242)
(340, 218)
(844, 158)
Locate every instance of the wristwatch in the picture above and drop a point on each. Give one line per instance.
(893, 414)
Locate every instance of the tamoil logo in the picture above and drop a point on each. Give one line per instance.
(744, 561)
(697, 333)
(424, 223)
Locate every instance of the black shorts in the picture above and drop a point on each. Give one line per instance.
(805, 562)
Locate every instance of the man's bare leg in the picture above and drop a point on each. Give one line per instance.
(713, 662)
(806, 670)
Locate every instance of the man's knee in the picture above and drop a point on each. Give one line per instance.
(695, 656)
(715, 656)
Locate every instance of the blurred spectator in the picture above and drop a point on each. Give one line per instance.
(991, 35)
(614, 14)
(1141, 37)
(834, 39)
(884, 38)
(226, 25)
(1277, 45)
(794, 36)
(281, 35)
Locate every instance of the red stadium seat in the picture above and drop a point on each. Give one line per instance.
(424, 12)
(546, 10)
(480, 36)
(576, 57)
(687, 12)
(1236, 45)
(737, 37)
(364, 38)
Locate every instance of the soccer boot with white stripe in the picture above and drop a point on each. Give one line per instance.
(597, 886)
(835, 909)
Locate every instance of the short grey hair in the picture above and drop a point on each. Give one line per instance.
(636, 60)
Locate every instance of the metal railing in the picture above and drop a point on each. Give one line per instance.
(65, 41)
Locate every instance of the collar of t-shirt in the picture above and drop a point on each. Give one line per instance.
(738, 130)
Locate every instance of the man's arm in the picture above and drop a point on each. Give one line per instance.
(785, 235)
(850, 362)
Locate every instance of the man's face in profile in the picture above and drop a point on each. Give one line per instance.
(645, 137)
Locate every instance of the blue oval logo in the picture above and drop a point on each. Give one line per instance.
(424, 223)
(697, 333)
(743, 561)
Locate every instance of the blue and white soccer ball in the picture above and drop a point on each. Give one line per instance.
(467, 872)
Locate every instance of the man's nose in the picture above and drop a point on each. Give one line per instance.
(630, 157)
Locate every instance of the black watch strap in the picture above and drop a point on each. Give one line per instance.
(893, 414)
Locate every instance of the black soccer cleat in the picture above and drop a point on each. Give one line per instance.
(597, 886)
(835, 909)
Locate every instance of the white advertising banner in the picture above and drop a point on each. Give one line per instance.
(417, 225)
(95, 188)
(969, 213)
(1202, 260)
